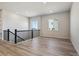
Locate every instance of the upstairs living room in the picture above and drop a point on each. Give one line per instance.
(39, 28)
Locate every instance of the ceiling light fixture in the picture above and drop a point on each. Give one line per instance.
(44, 2)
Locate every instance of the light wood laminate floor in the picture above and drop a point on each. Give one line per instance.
(38, 47)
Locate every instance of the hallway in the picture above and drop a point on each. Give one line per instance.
(38, 47)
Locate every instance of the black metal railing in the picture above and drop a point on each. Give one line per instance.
(17, 34)
(26, 33)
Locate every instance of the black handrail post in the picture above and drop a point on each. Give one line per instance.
(15, 36)
(8, 34)
(32, 33)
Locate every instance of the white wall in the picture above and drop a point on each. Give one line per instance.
(13, 21)
(0, 22)
(63, 19)
(75, 25)
(0, 25)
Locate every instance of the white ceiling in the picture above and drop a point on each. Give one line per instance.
(30, 9)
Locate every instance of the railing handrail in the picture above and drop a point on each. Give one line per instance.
(16, 35)
(26, 30)
(23, 30)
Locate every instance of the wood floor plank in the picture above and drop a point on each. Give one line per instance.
(39, 46)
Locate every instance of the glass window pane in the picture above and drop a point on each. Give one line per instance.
(53, 24)
(34, 24)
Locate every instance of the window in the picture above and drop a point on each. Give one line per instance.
(53, 24)
(34, 24)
